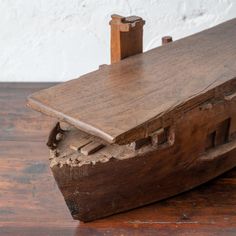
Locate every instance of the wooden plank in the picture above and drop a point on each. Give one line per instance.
(78, 144)
(91, 148)
(102, 104)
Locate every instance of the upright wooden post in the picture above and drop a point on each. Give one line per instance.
(126, 37)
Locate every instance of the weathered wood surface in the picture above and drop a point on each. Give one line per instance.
(119, 100)
(31, 204)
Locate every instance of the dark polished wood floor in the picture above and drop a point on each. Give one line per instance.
(31, 204)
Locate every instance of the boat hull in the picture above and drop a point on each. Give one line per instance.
(93, 191)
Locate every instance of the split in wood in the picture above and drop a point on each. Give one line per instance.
(78, 144)
(91, 148)
(86, 146)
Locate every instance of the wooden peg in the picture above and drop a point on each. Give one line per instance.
(126, 37)
(166, 39)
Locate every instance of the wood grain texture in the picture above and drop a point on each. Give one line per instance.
(31, 204)
(125, 98)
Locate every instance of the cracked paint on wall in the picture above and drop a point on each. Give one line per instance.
(58, 40)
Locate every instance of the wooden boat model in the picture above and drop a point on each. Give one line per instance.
(147, 127)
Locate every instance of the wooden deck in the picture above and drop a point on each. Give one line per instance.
(31, 204)
(113, 101)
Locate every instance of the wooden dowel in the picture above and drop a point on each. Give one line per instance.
(166, 39)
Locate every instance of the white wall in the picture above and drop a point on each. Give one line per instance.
(57, 40)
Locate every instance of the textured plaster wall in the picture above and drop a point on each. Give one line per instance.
(57, 40)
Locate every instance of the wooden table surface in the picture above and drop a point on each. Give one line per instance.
(31, 204)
